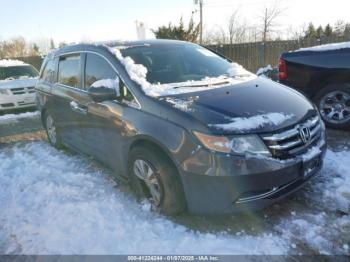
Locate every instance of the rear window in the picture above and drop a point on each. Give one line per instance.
(17, 72)
(69, 71)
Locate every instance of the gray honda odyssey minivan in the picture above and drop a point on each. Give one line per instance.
(189, 129)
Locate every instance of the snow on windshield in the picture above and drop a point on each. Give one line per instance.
(326, 47)
(138, 73)
(253, 122)
(8, 62)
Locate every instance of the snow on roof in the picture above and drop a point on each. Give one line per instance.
(138, 73)
(326, 47)
(9, 62)
(253, 122)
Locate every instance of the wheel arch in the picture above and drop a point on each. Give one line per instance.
(42, 116)
(148, 142)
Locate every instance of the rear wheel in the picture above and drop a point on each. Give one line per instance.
(154, 177)
(52, 132)
(334, 105)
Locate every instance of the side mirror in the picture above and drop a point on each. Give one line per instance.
(100, 94)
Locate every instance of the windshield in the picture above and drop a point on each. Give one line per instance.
(17, 72)
(181, 63)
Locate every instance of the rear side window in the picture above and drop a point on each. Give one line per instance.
(69, 71)
(97, 68)
(49, 72)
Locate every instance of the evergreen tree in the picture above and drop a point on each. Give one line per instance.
(346, 32)
(328, 31)
(179, 32)
(311, 32)
(319, 32)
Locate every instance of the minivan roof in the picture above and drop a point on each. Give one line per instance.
(97, 45)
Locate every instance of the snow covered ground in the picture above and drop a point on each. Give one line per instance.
(53, 202)
(6, 118)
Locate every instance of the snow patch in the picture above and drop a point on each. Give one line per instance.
(182, 104)
(9, 62)
(311, 153)
(54, 203)
(238, 70)
(15, 117)
(253, 122)
(338, 188)
(326, 47)
(263, 70)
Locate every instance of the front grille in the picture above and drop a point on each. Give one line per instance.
(22, 90)
(7, 105)
(288, 143)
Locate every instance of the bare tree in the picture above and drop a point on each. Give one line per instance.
(216, 35)
(269, 19)
(232, 25)
(16, 47)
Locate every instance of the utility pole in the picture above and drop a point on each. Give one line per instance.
(200, 2)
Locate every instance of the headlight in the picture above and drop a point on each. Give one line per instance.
(3, 92)
(236, 144)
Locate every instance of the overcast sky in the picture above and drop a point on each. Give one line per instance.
(81, 20)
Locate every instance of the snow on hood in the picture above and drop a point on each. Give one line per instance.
(138, 73)
(16, 83)
(326, 47)
(9, 62)
(181, 103)
(254, 122)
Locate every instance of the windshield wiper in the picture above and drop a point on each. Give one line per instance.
(203, 85)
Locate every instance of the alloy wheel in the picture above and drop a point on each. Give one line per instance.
(147, 174)
(335, 107)
(51, 129)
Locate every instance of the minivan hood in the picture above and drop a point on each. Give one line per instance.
(16, 83)
(259, 105)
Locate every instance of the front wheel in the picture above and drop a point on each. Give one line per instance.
(52, 131)
(153, 176)
(334, 106)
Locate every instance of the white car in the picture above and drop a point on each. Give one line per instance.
(17, 82)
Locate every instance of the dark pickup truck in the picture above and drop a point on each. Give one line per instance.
(323, 74)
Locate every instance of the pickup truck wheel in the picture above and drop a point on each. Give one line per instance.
(52, 132)
(154, 177)
(334, 105)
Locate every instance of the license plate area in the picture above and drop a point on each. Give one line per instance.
(311, 166)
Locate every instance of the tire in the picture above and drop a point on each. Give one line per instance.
(333, 103)
(52, 131)
(171, 195)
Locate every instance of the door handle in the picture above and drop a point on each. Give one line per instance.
(78, 108)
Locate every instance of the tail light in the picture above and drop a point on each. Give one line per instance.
(282, 69)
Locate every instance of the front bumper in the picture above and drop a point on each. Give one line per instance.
(227, 184)
(9, 102)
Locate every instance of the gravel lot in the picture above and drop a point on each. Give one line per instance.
(56, 202)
